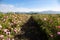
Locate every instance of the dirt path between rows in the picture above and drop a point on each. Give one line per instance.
(31, 31)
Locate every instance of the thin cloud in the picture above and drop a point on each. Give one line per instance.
(12, 8)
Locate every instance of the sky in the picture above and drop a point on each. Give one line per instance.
(29, 5)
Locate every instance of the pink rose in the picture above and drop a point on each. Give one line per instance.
(5, 30)
(58, 26)
(58, 33)
(5, 17)
(1, 36)
(51, 35)
(8, 39)
(15, 30)
(8, 33)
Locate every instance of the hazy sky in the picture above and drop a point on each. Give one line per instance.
(29, 5)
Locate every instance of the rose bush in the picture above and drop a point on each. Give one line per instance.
(11, 23)
(50, 23)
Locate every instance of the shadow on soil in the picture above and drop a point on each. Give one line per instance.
(31, 31)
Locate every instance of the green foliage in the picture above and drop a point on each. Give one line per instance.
(10, 24)
(50, 23)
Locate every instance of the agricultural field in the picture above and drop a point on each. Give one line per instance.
(11, 25)
(50, 23)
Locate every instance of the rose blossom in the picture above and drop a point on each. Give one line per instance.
(51, 35)
(2, 39)
(45, 19)
(15, 30)
(5, 30)
(8, 33)
(5, 17)
(11, 23)
(14, 22)
(1, 36)
(58, 26)
(58, 33)
(8, 39)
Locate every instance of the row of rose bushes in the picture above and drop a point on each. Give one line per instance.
(49, 23)
(10, 25)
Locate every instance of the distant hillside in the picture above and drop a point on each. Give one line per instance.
(33, 12)
(43, 12)
(50, 12)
